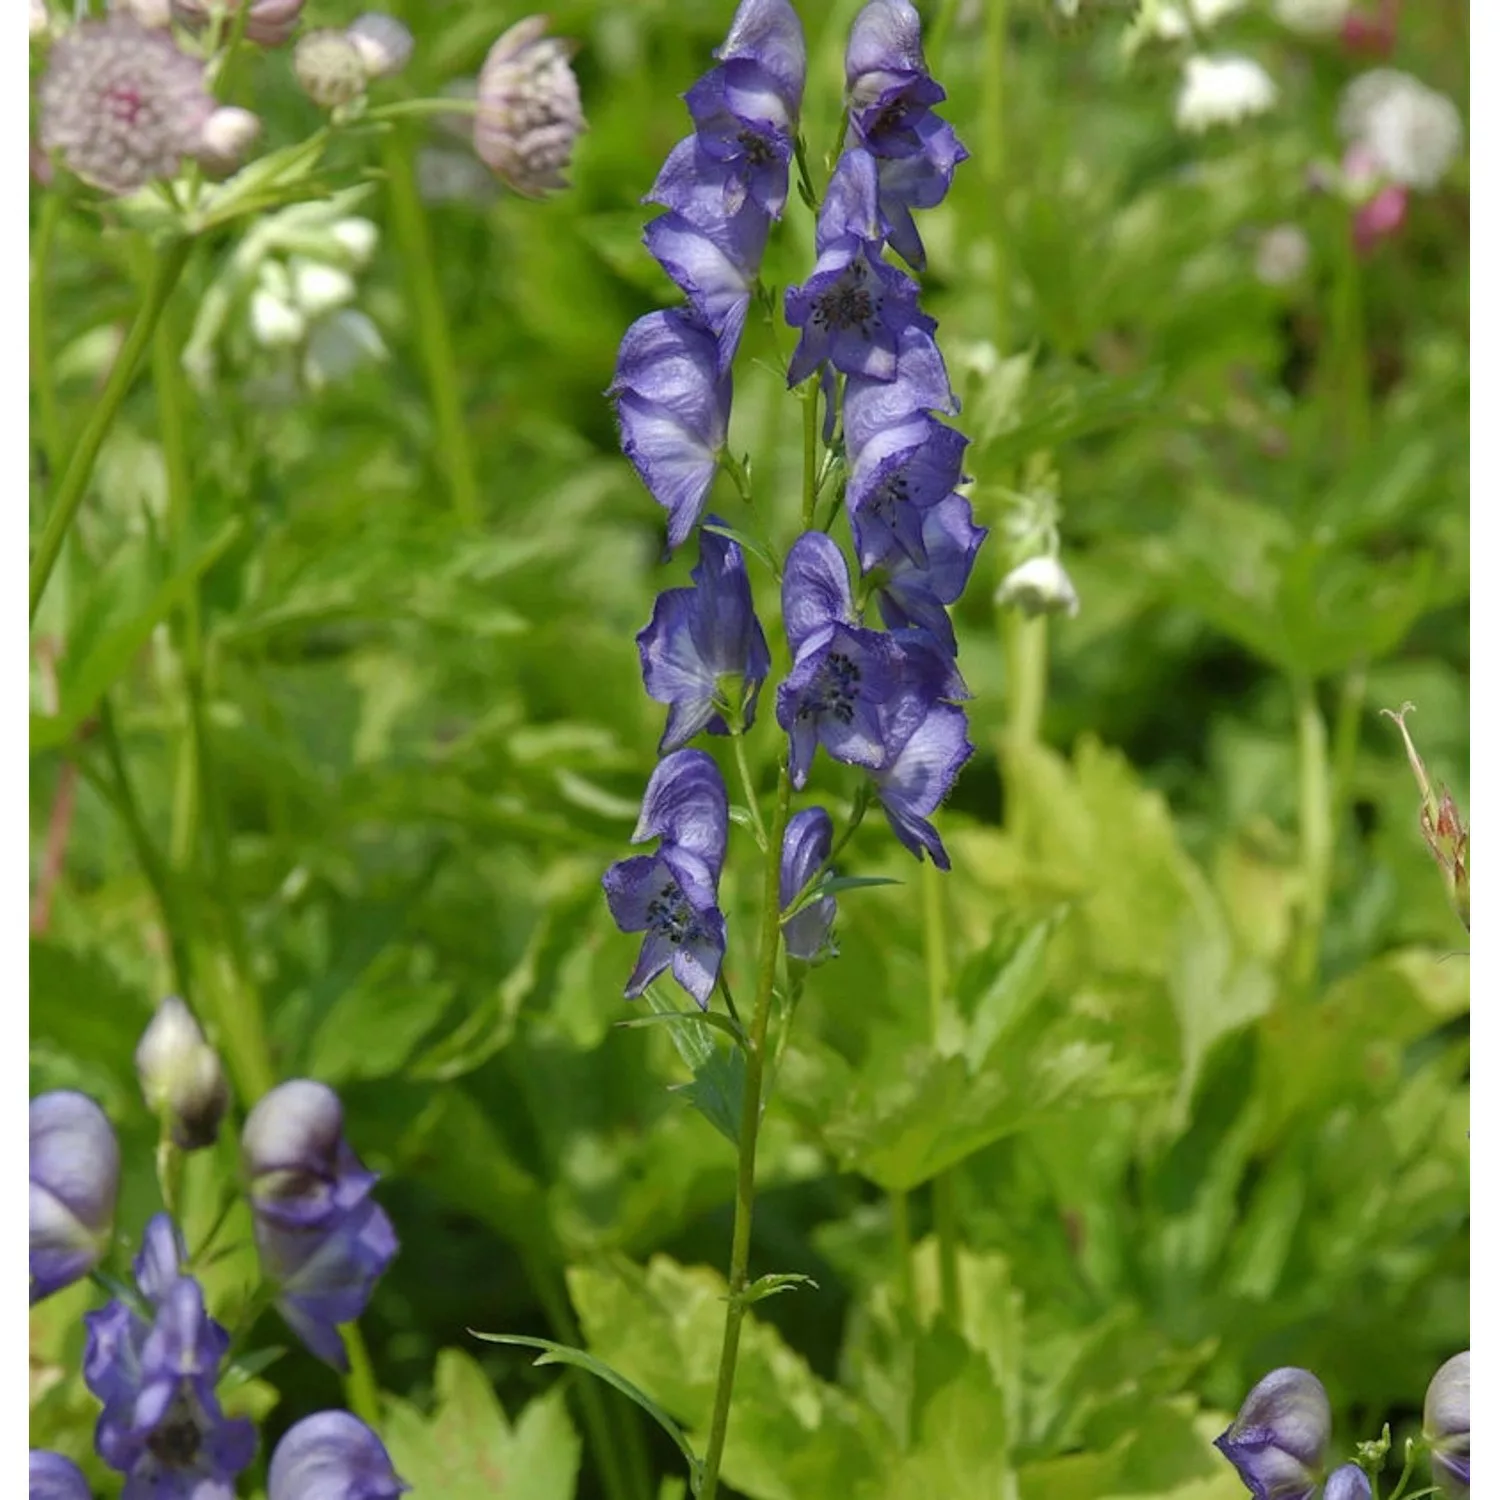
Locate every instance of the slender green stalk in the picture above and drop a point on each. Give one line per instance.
(42, 381)
(166, 269)
(809, 455)
(744, 1197)
(360, 1389)
(944, 1208)
(1316, 829)
(1346, 371)
(992, 160)
(592, 1401)
(748, 783)
(434, 337)
(1025, 644)
(1346, 744)
(901, 1233)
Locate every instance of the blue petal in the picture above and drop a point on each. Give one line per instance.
(769, 33)
(331, 1455)
(921, 775)
(1278, 1440)
(630, 885)
(873, 408)
(814, 589)
(1348, 1482)
(686, 804)
(53, 1477)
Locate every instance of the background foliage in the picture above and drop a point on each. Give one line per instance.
(1190, 1135)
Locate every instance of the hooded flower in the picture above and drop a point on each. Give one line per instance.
(672, 895)
(1278, 1440)
(323, 1240)
(913, 595)
(922, 772)
(1348, 1482)
(1445, 1425)
(122, 104)
(1039, 586)
(704, 652)
(332, 1455)
(162, 1426)
(804, 852)
(54, 1477)
(672, 400)
(529, 112)
(75, 1176)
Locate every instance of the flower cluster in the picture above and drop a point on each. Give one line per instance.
(1278, 1443)
(721, 186)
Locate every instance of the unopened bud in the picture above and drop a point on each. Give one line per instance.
(1442, 826)
(529, 112)
(384, 44)
(228, 133)
(269, 24)
(1039, 586)
(329, 67)
(181, 1076)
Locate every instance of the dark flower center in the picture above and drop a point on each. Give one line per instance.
(888, 496)
(669, 914)
(177, 1439)
(849, 303)
(833, 691)
(890, 118)
(756, 148)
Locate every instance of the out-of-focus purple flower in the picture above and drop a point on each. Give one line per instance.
(1445, 1425)
(704, 652)
(851, 311)
(162, 1425)
(54, 1477)
(804, 851)
(323, 1240)
(920, 775)
(529, 112)
(672, 399)
(269, 24)
(914, 596)
(75, 1177)
(181, 1076)
(1348, 1482)
(1278, 1440)
(122, 103)
(672, 896)
(859, 693)
(332, 1455)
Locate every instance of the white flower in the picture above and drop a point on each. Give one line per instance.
(228, 133)
(1222, 91)
(384, 43)
(357, 238)
(1312, 16)
(1169, 22)
(1281, 256)
(318, 288)
(1412, 132)
(275, 323)
(1039, 586)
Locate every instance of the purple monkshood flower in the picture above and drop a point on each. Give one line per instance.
(672, 896)
(162, 1425)
(804, 851)
(332, 1455)
(1445, 1425)
(891, 95)
(852, 311)
(1278, 1440)
(859, 693)
(894, 484)
(1348, 1482)
(323, 1240)
(913, 596)
(54, 1477)
(75, 1177)
(915, 781)
(672, 399)
(704, 652)
(891, 411)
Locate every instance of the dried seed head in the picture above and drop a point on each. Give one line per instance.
(329, 67)
(122, 104)
(269, 24)
(529, 111)
(384, 43)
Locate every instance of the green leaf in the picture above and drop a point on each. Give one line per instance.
(563, 1354)
(717, 1089)
(688, 1017)
(768, 1286)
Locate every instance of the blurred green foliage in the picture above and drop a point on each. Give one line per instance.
(374, 802)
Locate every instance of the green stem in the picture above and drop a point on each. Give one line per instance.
(618, 1484)
(408, 108)
(360, 1389)
(1025, 645)
(1346, 744)
(434, 337)
(809, 455)
(42, 381)
(1346, 375)
(1316, 830)
(901, 1233)
(944, 1209)
(744, 1197)
(751, 800)
(992, 156)
(165, 271)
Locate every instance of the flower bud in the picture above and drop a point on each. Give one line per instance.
(1277, 1441)
(529, 112)
(334, 1456)
(228, 133)
(75, 1177)
(1442, 826)
(329, 67)
(1445, 1425)
(269, 24)
(384, 44)
(1039, 586)
(181, 1076)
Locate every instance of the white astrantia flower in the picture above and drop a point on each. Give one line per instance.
(1222, 90)
(1312, 16)
(1412, 132)
(1281, 255)
(1039, 586)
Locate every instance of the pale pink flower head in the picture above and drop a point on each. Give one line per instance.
(529, 111)
(269, 24)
